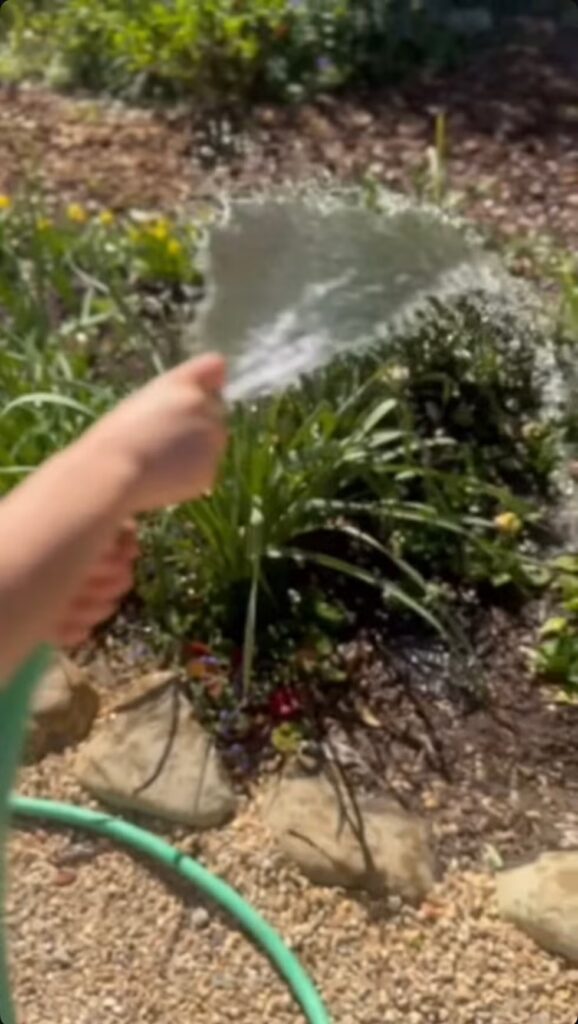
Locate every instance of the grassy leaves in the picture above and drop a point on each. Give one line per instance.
(334, 481)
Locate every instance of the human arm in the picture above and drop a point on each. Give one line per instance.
(161, 446)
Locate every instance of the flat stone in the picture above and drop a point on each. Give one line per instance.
(368, 843)
(154, 757)
(143, 685)
(541, 898)
(63, 709)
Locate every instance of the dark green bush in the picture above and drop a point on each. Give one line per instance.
(476, 374)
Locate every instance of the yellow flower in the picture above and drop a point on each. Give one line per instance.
(106, 218)
(395, 374)
(508, 523)
(159, 230)
(533, 431)
(76, 213)
(43, 223)
(5, 202)
(174, 247)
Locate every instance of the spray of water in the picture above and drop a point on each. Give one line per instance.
(295, 283)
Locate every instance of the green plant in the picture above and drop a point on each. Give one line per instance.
(226, 50)
(556, 657)
(568, 276)
(431, 182)
(73, 289)
(301, 473)
(344, 476)
(475, 374)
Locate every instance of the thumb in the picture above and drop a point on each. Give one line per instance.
(207, 372)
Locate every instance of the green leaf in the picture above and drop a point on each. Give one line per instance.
(554, 627)
(377, 415)
(250, 629)
(40, 398)
(567, 563)
(286, 738)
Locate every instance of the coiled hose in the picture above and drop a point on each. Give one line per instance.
(14, 702)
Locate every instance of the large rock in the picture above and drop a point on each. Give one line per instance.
(317, 825)
(63, 710)
(541, 898)
(154, 757)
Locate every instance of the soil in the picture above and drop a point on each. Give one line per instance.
(480, 748)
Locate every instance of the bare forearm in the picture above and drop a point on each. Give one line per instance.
(52, 528)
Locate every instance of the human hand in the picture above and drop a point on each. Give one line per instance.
(171, 434)
(100, 594)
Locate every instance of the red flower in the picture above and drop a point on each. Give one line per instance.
(237, 659)
(193, 649)
(285, 703)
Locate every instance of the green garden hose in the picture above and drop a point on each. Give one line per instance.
(14, 702)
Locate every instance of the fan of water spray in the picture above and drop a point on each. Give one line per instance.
(295, 282)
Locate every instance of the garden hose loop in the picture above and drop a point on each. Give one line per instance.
(14, 701)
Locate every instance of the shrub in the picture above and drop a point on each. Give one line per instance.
(220, 50)
(475, 371)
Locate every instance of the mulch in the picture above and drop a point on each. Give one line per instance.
(512, 116)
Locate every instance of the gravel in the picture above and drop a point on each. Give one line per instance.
(98, 934)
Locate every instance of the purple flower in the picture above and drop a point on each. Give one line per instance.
(325, 66)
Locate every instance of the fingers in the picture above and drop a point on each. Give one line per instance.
(100, 597)
(208, 372)
(126, 540)
(80, 622)
(124, 549)
(112, 580)
(112, 577)
(90, 609)
(68, 637)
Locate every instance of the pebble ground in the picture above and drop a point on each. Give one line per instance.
(98, 935)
